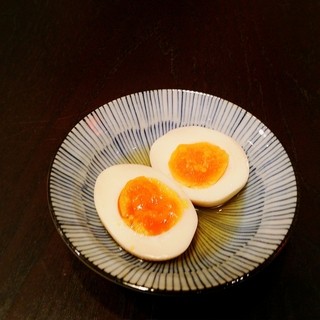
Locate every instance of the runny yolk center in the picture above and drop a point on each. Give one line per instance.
(198, 165)
(149, 206)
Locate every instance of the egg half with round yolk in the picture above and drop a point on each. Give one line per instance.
(210, 166)
(145, 212)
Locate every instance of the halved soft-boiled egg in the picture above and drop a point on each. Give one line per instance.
(210, 166)
(146, 212)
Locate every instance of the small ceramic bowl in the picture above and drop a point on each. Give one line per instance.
(231, 243)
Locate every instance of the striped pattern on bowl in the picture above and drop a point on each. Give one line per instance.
(231, 242)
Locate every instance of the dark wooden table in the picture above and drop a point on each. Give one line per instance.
(59, 60)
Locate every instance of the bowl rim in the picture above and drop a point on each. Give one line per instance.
(234, 283)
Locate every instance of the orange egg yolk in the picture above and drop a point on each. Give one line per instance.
(198, 165)
(149, 206)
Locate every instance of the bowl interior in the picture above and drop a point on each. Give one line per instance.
(231, 241)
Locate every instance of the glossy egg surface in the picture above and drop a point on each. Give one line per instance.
(145, 212)
(210, 166)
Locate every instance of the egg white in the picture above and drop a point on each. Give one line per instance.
(232, 181)
(164, 246)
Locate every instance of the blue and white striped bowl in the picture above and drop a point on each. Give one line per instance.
(231, 243)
